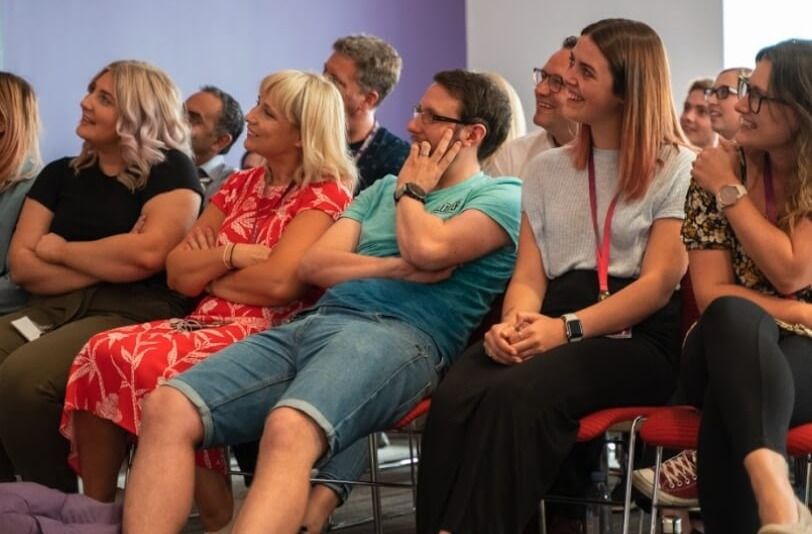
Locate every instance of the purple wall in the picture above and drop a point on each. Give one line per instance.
(59, 45)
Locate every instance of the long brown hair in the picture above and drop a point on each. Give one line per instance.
(641, 77)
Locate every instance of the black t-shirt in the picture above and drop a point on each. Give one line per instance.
(91, 205)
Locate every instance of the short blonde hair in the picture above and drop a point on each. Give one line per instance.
(313, 105)
(150, 120)
(19, 145)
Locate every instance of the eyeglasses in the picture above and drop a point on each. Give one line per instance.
(554, 81)
(429, 117)
(721, 92)
(754, 96)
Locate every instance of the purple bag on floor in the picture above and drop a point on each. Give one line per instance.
(28, 508)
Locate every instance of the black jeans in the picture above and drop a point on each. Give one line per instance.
(752, 381)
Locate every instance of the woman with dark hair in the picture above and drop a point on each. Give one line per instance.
(748, 362)
(590, 318)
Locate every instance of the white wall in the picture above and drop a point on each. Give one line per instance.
(513, 36)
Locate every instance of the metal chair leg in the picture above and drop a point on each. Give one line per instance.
(654, 494)
(412, 463)
(627, 498)
(377, 518)
(808, 480)
(542, 517)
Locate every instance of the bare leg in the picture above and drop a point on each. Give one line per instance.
(291, 444)
(320, 505)
(214, 499)
(102, 446)
(159, 494)
(769, 477)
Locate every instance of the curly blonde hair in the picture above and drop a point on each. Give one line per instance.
(313, 105)
(791, 82)
(19, 145)
(150, 121)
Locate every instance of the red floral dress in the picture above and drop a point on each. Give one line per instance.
(117, 368)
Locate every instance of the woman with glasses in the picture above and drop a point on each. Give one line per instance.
(722, 98)
(590, 317)
(748, 362)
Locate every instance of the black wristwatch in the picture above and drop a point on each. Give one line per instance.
(573, 327)
(412, 190)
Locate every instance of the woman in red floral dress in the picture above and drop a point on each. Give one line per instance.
(242, 255)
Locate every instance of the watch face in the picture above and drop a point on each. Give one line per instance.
(728, 194)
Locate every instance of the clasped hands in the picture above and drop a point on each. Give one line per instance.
(523, 336)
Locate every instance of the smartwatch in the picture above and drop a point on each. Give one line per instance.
(411, 190)
(573, 327)
(729, 194)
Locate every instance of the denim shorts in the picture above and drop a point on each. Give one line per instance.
(351, 372)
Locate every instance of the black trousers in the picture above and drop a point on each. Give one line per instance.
(496, 435)
(752, 381)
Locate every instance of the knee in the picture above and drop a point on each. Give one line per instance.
(728, 315)
(19, 391)
(288, 429)
(167, 411)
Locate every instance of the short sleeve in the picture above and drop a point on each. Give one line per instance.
(328, 196)
(704, 226)
(49, 182)
(500, 199)
(176, 172)
(671, 202)
(233, 189)
(360, 208)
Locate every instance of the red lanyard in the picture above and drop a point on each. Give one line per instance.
(602, 246)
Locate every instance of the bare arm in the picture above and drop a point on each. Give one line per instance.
(712, 277)
(786, 260)
(197, 260)
(332, 260)
(275, 280)
(31, 272)
(135, 255)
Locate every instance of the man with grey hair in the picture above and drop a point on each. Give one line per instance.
(365, 69)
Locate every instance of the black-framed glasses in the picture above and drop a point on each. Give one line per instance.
(554, 81)
(429, 117)
(754, 96)
(721, 92)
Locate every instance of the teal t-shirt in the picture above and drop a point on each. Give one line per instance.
(450, 310)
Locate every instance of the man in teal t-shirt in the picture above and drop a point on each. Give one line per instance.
(411, 269)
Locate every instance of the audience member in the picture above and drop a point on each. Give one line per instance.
(518, 126)
(399, 273)
(365, 69)
(243, 255)
(216, 121)
(556, 130)
(590, 318)
(90, 246)
(19, 162)
(695, 118)
(251, 160)
(722, 98)
(747, 363)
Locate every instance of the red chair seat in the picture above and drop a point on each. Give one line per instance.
(421, 409)
(799, 440)
(596, 424)
(674, 427)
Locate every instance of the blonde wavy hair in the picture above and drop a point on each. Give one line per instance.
(791, 82)
(313, 105)
(150, 120)
(20, 157)
(641, 77)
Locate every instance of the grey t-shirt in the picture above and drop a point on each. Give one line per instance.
(555, 198)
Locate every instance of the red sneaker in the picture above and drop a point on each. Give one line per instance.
(678, 481)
